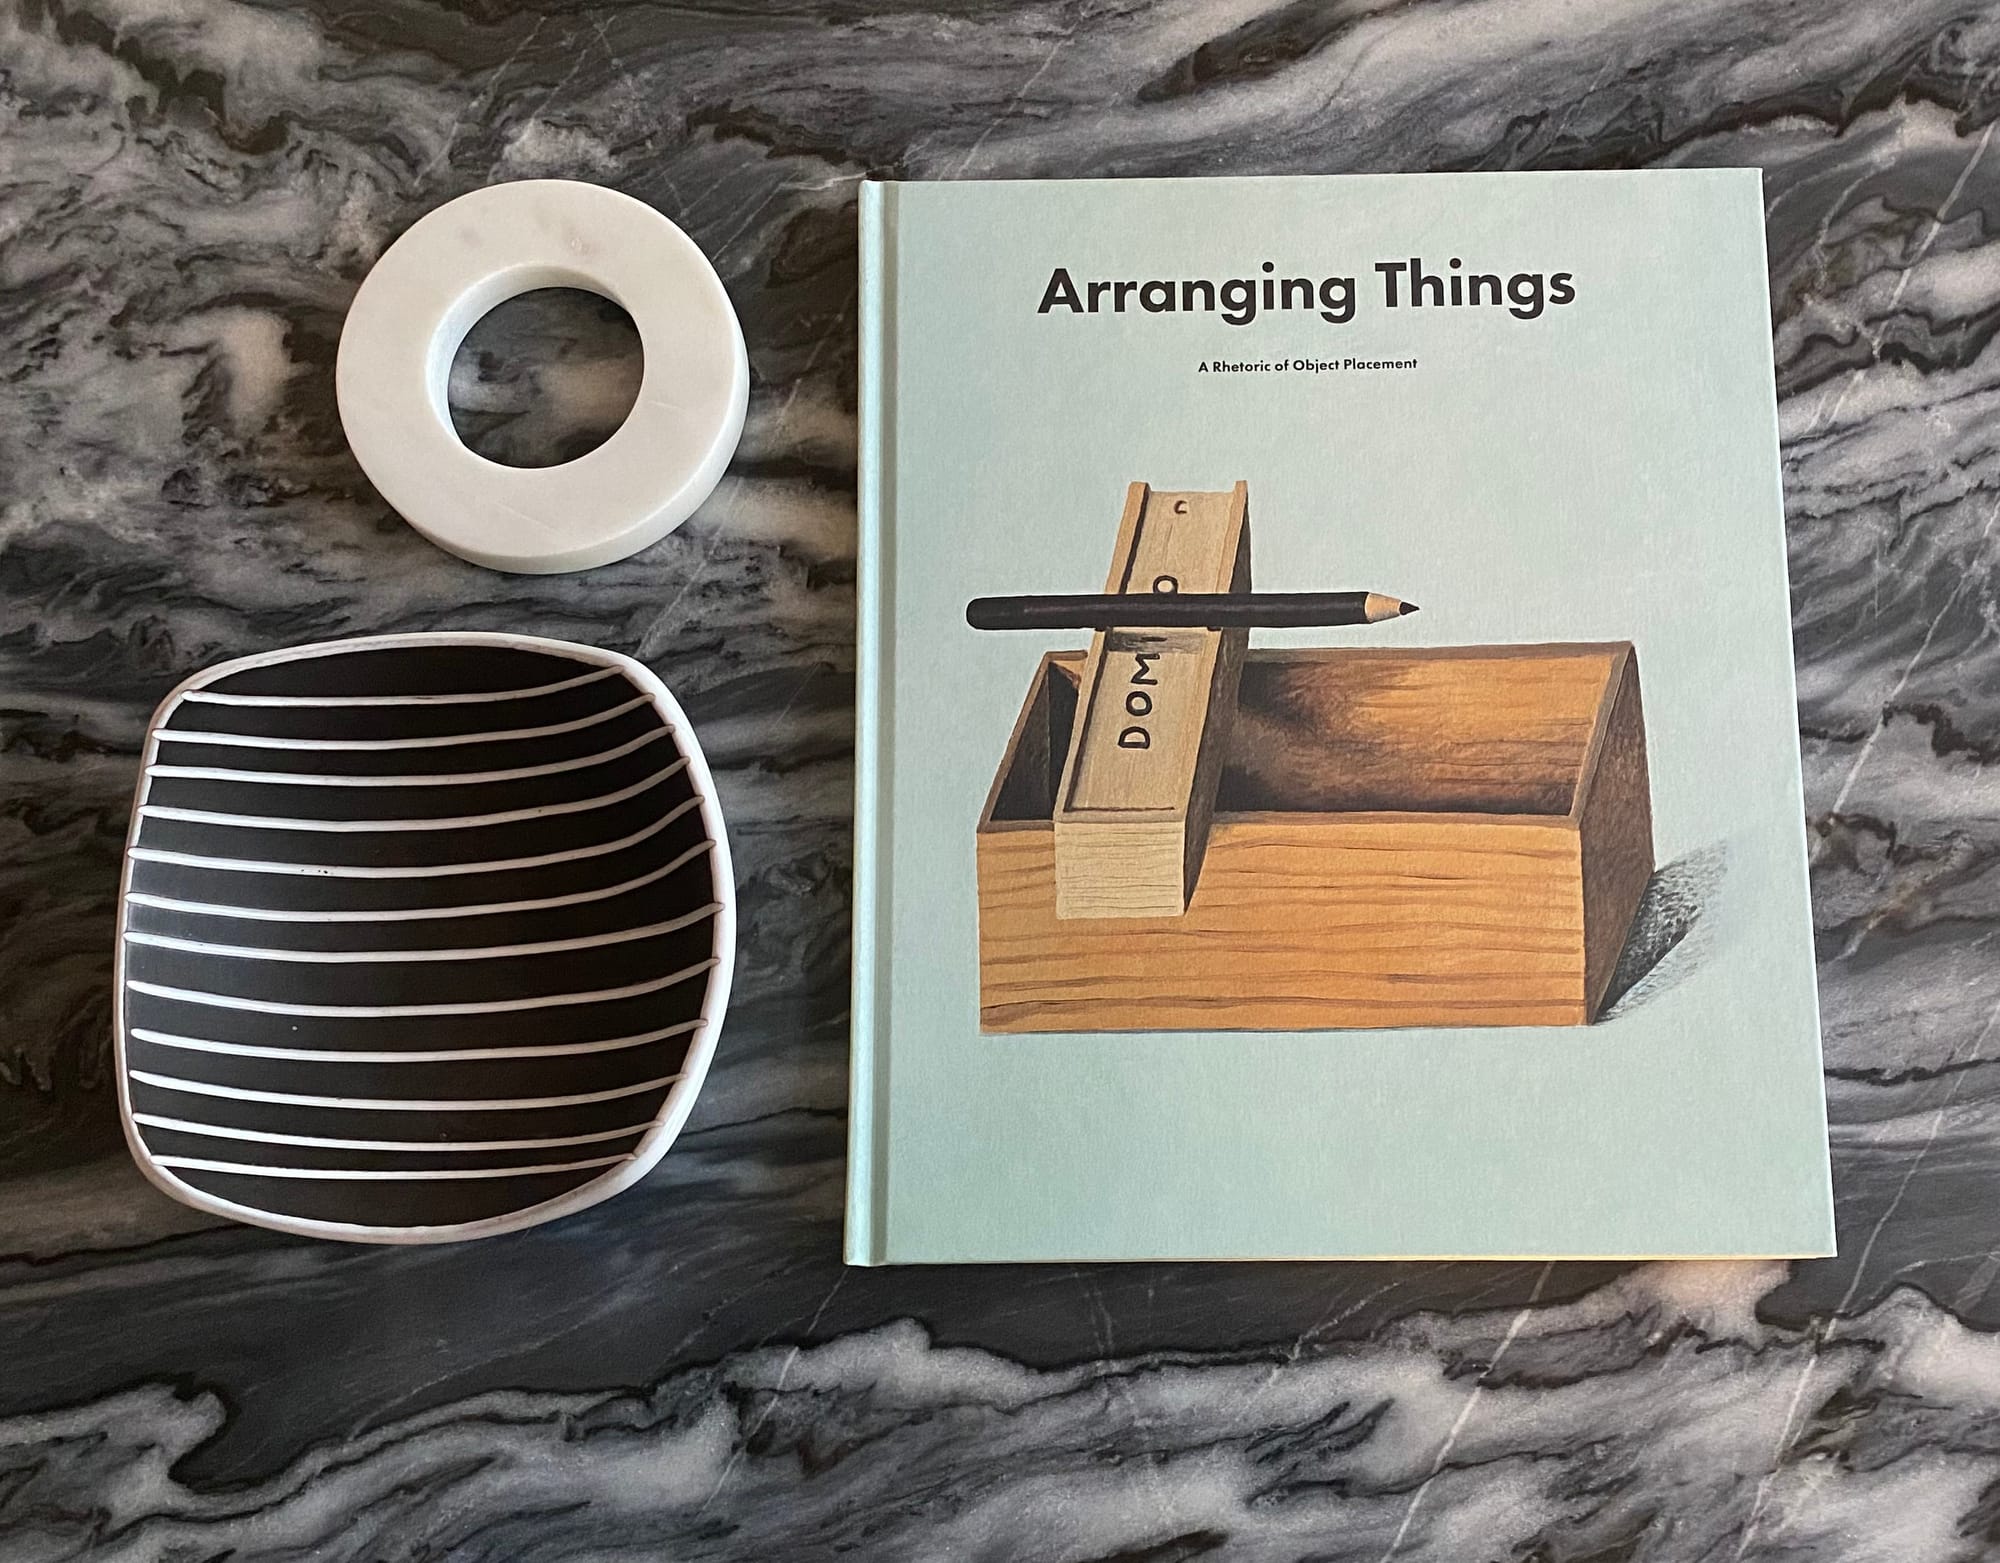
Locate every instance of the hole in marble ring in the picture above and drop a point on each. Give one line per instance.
(545, 377)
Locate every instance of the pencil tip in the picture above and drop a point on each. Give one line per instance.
(1409, 607)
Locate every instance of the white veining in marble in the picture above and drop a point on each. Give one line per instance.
(189, 194)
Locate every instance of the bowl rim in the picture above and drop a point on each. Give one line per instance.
(680, 1097)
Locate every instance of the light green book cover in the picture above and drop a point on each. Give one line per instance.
(1475, 931)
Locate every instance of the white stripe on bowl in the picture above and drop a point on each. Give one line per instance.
(380, 1174)
(445, 1055)
(242, 1093)
(439, 741)
(416, 913)
(393, 1011)
(330, 1143)
(425, 779)
(441, 822)
(415, 871)
(487, 952)
(214, 697)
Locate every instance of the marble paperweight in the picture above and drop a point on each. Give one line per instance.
(421, 937)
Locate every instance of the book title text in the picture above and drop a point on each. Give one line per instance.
(1403, 284)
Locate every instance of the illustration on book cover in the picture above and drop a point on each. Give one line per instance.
(1188, 833)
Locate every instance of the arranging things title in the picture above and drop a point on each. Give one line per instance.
(1404, 284)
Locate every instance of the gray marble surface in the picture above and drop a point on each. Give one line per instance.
(189, 194)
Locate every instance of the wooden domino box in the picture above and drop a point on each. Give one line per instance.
(1185, 834)
(1444, 837)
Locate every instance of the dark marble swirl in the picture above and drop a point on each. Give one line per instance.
(188, 196)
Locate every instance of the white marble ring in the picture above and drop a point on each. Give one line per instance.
(459, 261)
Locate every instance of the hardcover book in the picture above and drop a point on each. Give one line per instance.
(1212, 901)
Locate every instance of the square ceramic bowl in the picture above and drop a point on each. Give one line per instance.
(421, 937)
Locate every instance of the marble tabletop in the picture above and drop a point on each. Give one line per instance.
(190, 191)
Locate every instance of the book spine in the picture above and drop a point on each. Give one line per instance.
(868, 1069)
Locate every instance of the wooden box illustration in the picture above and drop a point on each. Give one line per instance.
(1323, 837)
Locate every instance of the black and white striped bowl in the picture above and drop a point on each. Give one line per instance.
(421, 937)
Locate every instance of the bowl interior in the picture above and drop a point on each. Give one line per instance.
(415, 936)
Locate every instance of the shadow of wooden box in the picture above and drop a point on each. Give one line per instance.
(1441, 837)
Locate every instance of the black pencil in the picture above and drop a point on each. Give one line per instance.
(1184, 610)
